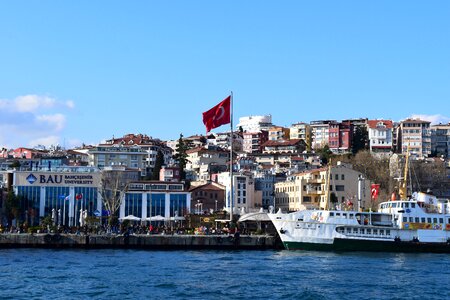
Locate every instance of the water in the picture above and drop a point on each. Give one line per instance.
(135, 274)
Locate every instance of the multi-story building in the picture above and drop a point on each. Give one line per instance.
(223, 140)
(440, 140)
(255, 123)
(320, 133)
(253, 141)
(416, 135)
(203, 161)
(105, 155)
(149, 145)
(309, 190)
(340, 136)
(265, 182)
(207, 197)
(380, 136)
(301, 131)
(284, 146)
(60, 193)
(245, 197)
(277, 133)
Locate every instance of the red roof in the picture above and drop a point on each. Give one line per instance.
(292, 142)
(374, 123)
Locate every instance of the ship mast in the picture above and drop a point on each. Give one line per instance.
(403, 189)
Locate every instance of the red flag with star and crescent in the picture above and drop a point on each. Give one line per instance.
(218, 115)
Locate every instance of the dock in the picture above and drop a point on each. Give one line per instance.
(156, 242)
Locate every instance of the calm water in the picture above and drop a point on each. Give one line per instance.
(132, 274)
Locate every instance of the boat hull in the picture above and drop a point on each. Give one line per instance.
(370, 246)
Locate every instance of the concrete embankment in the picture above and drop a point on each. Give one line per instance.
(250, 242)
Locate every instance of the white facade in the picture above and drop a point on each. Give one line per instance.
(255, 123)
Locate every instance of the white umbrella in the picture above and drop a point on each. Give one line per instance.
(156, 218)
(131, 218)
(176, 218)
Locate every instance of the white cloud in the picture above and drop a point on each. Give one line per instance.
(70, 104)
(58, 121)
(32, 120)
(434, 119)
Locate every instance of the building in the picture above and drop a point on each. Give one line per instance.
(309, 189)
(63, 192)
(255, 123)
(155, 198)
(171, 174)
(253, 141)
(245, 197)
(380, 134)
(209, 197)
(440, 140)
(284, 146)
(301, 131)
(415, 134)
(277, 133)
(201, 161)
(147, 144)
(320, 133)
(340, 137)
(105, 155)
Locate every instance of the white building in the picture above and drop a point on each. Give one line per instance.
(255, 123)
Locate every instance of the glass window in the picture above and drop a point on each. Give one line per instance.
(441, 220)
(429, 220)
(422, 220)
(405, 219)
(416, 219)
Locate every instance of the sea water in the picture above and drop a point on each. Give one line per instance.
(139, 274)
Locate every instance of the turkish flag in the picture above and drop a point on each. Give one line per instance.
(218, 115)
(375, 189)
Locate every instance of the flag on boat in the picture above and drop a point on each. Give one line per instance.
(375, 190)
(218, 115)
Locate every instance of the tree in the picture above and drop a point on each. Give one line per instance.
(158, 165)
(360, 139)
(12, 207)
(113, 186)
(324, 154)
(181, 156)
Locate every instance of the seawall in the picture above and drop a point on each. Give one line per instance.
(247, 242)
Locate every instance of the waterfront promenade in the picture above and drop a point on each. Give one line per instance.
(154, 241)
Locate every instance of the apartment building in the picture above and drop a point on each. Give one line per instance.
(415, 134)
(380, 134)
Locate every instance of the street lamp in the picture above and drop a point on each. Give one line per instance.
(216, 205)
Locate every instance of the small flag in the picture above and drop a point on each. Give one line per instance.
(375, 190)
(218, 115)
(79, 196)
(67, 198)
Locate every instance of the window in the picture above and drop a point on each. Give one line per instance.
(342, 177)
(429, 220)
(417, 220)
(340, 188)
(422, 220)
(405, 219)
(336, 177)
(411, 219)
(441, 220)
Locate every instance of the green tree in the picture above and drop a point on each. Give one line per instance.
(181, 156)
(12, 207)
(324, 154)
(360, 139)
(158, 165)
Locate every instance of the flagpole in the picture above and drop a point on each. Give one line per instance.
(231, 159)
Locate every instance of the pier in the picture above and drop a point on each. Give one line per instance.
(156, 242)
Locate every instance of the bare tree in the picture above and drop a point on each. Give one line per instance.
(113, 187)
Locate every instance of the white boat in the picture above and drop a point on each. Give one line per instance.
(405, 226)
(418, 224)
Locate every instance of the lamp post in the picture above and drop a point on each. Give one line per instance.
(216, 205)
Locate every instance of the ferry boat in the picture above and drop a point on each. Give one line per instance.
(413, 225)
(418, 224)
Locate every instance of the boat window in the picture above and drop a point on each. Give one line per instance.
(344, 215)
(411, 219)
(394, 205)
(441, 220)
(429, 220)
(382, 231)
(403, 205)
(422, 220)
(331, 214)
(369, 231)
(405, 219)
(338, 214)
(434, 220)
(413, 205)
(363, 231)
(375, 231)
(349, 230)
(417, 220)
(388, 232)
(355, 230)
(407, 205)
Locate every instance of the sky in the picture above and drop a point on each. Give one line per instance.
(74, 72)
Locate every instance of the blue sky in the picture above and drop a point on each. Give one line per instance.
(83, 71)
